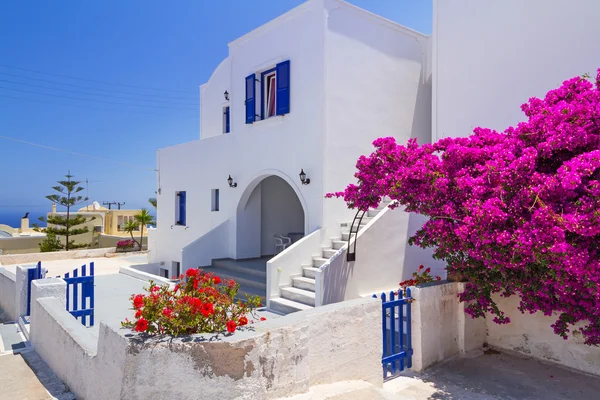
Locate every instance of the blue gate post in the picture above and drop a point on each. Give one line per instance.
(78, 306)
(33, 273)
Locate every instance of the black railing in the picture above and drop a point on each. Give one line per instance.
(351, 254)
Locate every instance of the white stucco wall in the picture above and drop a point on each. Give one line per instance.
(281, 212)
(376, 85)
(490, 57)
(213, 100)
(532, 335)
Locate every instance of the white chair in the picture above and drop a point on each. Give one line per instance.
(281, 243)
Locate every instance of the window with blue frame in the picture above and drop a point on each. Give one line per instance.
(226, 120)
(180, 209)
(274, 92)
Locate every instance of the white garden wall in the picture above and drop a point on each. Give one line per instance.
(441, 330)
(531, 335)
(270, 359)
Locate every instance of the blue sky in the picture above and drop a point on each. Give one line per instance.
(138, 44)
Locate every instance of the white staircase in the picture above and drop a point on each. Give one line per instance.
(301, 294)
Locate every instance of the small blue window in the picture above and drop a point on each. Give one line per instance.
(226, 120)
(180, 214)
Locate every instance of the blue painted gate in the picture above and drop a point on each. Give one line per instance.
(396, 329)
(32, 274)
(80, 294)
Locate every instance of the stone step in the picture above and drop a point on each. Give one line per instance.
(328, 253)
(234, 266)
(345, 236)
(372, 212)
(243, 278)
(298, 295)
(338, 244)
(309, 272)
(365, 220)
(302, 282)
(285, 306)
(318, 261)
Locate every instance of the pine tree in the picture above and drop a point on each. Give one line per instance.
(61, 225)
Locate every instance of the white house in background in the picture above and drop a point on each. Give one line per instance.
(307, 92)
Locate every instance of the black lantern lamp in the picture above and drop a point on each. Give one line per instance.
(231, 183)
(303, 178)
(226, 94)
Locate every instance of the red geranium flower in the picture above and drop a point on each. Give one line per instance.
(231, 283)
(263, 319)
(207, 309)
(138, 301)
(167, 312)
(155, 288)
(138, 313)
(196, 304)
(191, 272)
(231, 325)
(243, 321)
(141, 325)
(216, 280)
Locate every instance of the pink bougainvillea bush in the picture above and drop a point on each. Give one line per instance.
(199, 303)
(516, 212)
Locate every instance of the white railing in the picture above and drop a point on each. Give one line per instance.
(213, 244)
(287, 264)
(380, 259)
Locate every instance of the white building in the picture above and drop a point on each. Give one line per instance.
(310, 91)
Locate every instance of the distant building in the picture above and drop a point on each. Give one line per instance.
(19, 240)
(106, 226)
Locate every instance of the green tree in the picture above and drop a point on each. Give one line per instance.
(131, 226)
(65, 225)
(50, 243)
(152, 200)
(144, 218)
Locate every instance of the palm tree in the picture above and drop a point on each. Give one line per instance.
(152, 200)
(144, 218)
(130, 226)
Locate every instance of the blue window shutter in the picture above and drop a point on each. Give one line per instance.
(283, 87)
(227, 126)
(250, 99)
(182, 208)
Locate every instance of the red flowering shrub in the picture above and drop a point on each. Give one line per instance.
(514, 212)
(420, 276)
(197, 304)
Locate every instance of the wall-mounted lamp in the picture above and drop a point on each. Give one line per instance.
(231, 183)
(226, 94)
(303, 178)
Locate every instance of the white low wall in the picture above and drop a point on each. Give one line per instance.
(288, 263)
(92, 370)
(441, 330)
(270, 359)
(213, 244)
(8, 305)
(531, 335)
(53, 256)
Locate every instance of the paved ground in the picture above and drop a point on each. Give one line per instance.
(24, 376)
(102, 265)
(487, 377)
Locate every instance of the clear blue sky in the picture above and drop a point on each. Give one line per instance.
(172, 45)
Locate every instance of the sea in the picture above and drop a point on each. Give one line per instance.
(12, 216)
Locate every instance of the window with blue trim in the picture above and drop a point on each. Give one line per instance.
(274, 91)
(226, 120)
(180, 209)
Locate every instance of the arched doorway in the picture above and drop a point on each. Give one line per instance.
(269, 206)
